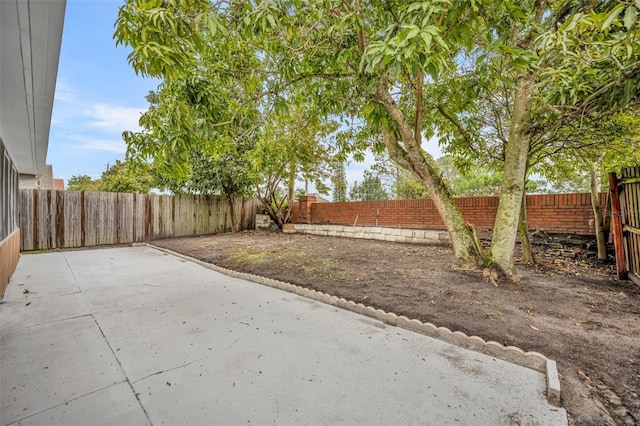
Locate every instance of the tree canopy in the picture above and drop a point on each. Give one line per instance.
(122, 176)
(394, 73)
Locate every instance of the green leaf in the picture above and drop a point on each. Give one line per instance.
(272, 20)
(629, 17)
(612, 16)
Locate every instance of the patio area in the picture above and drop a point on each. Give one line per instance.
(134, 336)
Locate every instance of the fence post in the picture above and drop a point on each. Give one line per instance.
(304, 204)
(616, 226)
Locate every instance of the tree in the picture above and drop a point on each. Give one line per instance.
(228, 175)
(122, 176)
(82, 183)
(228, 117)
(604, 145)
(408, 187)
(339, 183)
(293, 145)
(368, 59)
(383, 62)
(469, 179)
(370, 189)
(592, 59)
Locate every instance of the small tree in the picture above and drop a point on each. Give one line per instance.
(82, 183)
(370, 189)
(339, 183)
(408, 187)
(294, 144)
(123, 176)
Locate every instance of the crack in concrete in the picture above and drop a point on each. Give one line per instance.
(40, 324)
(127, 380)
(229, 347)
(171, 369)
(72, 274)
(63, 403)
(183, 365)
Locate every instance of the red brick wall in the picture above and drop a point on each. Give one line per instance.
(555, 213)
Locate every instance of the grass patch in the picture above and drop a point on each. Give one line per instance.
(253, 257)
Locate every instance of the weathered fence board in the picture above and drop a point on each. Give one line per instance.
(72, 219)
(625, 209)
(66, 219)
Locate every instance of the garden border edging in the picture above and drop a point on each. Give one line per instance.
(533, 360)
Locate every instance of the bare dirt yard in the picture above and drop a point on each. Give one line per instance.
(567, 307)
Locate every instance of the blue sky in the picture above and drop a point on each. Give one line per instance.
(99, 96)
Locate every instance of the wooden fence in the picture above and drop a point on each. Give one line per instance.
(625, 221)
(64, 219)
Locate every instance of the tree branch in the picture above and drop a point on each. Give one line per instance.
(417, 129)
(458, 126)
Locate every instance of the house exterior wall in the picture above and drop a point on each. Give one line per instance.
(8, 194)
(9, 232)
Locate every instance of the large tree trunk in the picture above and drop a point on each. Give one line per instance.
(232, 213)
(413, 158)
(525, 240)
(597, 212)
(291, 192)
(513, 181)
(243, 215)
(466, 251)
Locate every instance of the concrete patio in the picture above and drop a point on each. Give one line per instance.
(134, 336)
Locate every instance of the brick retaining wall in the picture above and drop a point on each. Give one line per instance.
(554, 213)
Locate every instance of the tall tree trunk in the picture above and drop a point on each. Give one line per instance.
(466, 251)
(291, 192)
(414, 159)
(597, 212)
(513, 181)
(232, 213)
(243, 215)
(527, 250)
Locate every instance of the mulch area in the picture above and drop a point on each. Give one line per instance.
(569, 306)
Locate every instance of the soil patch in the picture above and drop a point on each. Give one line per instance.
(569, 308)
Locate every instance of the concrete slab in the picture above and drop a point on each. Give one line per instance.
(111, 406)
(199, 347)
(40, 282)
(47, 365)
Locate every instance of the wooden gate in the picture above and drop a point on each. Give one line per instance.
(625, 221)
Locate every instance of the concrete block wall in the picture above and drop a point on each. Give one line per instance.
(398, 235)
(554, 213)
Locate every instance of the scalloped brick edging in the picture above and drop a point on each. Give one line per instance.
(533, 360)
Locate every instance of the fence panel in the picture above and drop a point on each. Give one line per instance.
(630, 181)
(125, 218)
(66, 219)
(72, 202)
(47, 220)
(625, 221)
(139, 218)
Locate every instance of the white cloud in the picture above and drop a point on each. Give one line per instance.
(108, 145)
(114, 119)
(64, 92)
